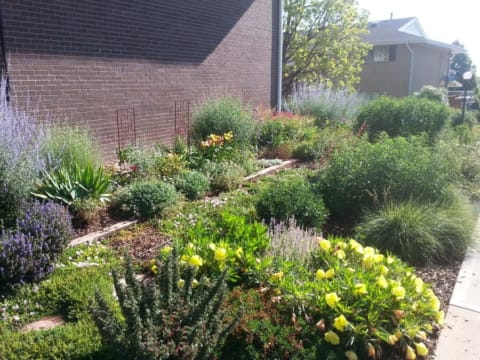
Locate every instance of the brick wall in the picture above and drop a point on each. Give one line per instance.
(88, 62)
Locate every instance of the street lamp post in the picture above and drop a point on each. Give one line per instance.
(467, 75)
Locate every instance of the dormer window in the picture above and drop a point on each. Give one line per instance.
(382, 54)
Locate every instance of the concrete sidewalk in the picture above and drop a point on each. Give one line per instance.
(460, 336)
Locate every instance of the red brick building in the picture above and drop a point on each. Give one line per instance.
(132, 70)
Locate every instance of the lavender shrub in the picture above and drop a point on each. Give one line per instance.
(28, 253)
(20, 157)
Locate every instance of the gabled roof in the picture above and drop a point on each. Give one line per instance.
(402, 31)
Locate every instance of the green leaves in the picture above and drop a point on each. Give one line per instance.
(322, 43)
(68, 184)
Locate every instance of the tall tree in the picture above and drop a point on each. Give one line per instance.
(322, 43)
(462, 63)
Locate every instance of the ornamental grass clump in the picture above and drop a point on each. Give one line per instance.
(175, 316)
(421, 234)
(359, 301)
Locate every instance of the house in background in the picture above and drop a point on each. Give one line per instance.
(133, 71)
(403, 59)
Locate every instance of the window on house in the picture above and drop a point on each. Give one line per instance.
(382, 54)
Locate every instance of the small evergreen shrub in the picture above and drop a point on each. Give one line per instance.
(28, 253)
(421, 234)
(145, 199)
(173, 317)
(221, 116)
(363, 176)
(403, 117)
(224, 175)
(193, 184)
(282, 198)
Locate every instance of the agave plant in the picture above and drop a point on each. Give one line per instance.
(69, 184)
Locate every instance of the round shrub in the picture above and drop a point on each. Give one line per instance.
(433, 93)
(290, 196)
(146, 199)
(29, 252)
(421, 234)
(403, 117)
(220, 116)
(364, 175)
(223, 175)
(193, 184)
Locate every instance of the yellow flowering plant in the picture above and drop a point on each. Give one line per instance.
(369, 303)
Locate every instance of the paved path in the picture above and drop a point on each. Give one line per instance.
(460, 337)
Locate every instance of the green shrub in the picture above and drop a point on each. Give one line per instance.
(74, 183)
(169, 318)
(220, 116)
(468, 118)
(421, 234)
(70, 146)
(224, 175)
(364, 175)
(282, 198)
(193, 184)
(433, 93)
(403, 117)
(326, 105)
(145, 199)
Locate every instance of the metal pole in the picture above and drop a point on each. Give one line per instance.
(464, 102)
(280, 55)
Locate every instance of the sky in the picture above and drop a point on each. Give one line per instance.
(442, 20)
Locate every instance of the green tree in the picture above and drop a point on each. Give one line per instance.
(461, 63)
(322, 43)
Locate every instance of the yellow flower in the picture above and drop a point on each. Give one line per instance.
(320, 275)
(340, 323)
(330, 273)
(357, 247)
(212, 246)
(154, 269)
(368, 250)
(360, 289)
(422, 335)
(440, 317)
(368, 261)
(378, 258)
(166, 250)
(398, 292)
(220, 254)
(228, 136)
(410, 354)
(277, 276)
(418, 285)
(181, 283)
(195, 283)
(383, 269)
(332, 299)
(382, 282)
(351, 355)
(390, 260)
(195, 260)
(324, 244)
(239, 252)
(332, 338)
(191, 246)
(398, 334)
(340, 254)
(422, 350)
(434, 303)
(392, 339)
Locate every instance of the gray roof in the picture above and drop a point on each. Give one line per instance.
(395, 31)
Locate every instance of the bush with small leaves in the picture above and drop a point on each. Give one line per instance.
(175, 316)
(145, 199)
(290, 195)
(224, 175)
(28, 253)
(193, 184)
